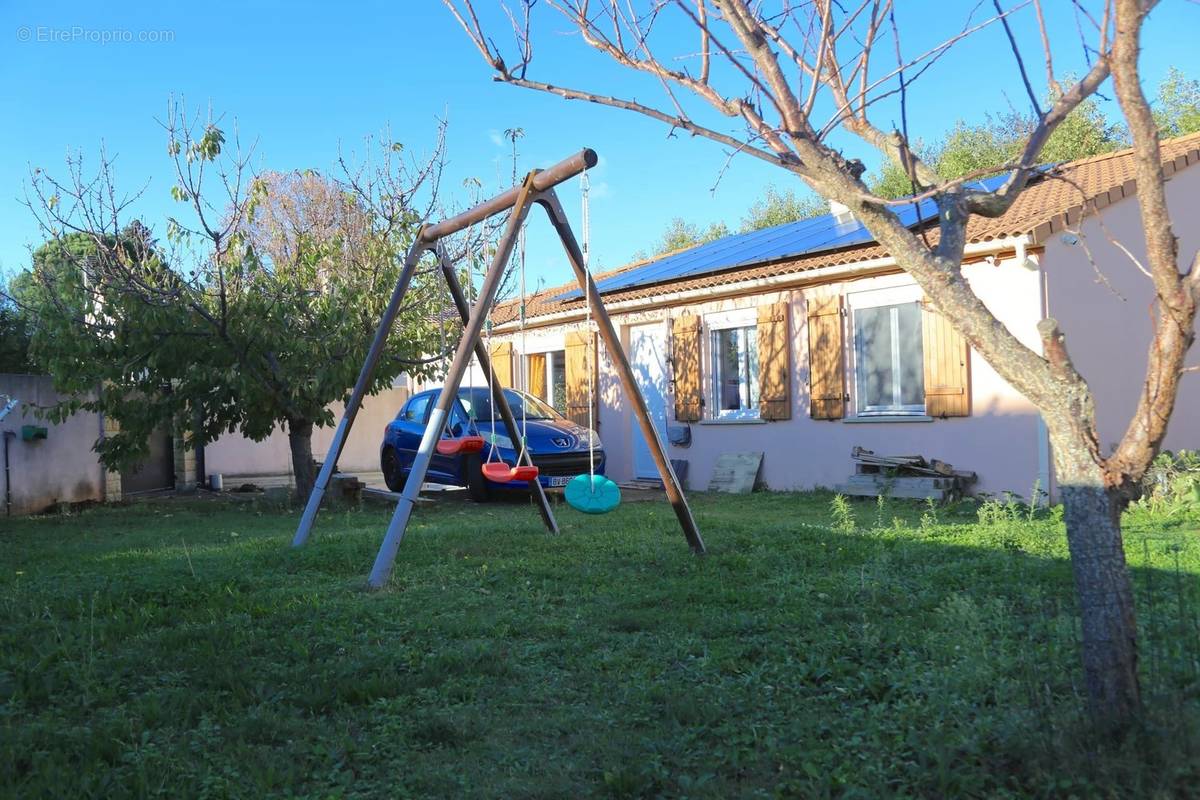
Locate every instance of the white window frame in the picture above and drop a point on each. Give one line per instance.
(723, 321)
(879, 298)
(549, 357)
(549, 354)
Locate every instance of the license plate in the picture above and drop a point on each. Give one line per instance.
(559, 481)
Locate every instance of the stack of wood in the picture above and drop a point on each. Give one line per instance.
(905, 476)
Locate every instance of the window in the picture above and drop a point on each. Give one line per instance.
(478, 404)
(415, 410)
(734, 354)
(556, 383)
(460, 423)
(889, 365)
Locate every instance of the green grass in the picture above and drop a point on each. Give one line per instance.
(186, 650)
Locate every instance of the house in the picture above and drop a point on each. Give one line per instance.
(804, 340)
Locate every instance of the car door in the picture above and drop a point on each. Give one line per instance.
(448, 469)
(411, 426)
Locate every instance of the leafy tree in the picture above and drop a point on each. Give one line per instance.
(1178, 106)
(255, 313)
(776, 207)
(681, 235)
(780, 206)
(1085, 132)
(984, 148)
(14, 338)
(91, 329)
(975, 148)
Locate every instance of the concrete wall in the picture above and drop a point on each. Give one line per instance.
(234, 454)
(1105, 310)
(1001, 440)
(61, 468)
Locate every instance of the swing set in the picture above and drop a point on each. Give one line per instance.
(590, 493)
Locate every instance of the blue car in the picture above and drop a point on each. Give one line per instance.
(558, 446)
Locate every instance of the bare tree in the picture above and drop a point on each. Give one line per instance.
(773, 65)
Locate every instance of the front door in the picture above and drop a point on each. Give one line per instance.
(156, 471)
(648, 357)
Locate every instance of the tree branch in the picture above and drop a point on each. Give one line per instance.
(1176, 297)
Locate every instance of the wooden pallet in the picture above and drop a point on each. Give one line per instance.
(912, 477)
(910, 488)
(867, 462)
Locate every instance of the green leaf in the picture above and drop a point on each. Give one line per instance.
(209, 146)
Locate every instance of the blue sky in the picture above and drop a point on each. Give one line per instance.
(305, 79)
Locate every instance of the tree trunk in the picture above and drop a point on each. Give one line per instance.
(300, 441)
(1092, 511)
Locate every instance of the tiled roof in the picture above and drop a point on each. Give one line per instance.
(1046, 206)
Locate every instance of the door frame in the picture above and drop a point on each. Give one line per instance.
(639, 448)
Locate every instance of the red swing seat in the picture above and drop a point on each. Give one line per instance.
(522, 472)
(463, 444)
(499, 472)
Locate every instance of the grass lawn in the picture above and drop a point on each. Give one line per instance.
(183, 649)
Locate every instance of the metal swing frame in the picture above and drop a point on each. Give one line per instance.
(537, 189)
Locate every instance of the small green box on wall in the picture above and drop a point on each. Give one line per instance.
(32, 432)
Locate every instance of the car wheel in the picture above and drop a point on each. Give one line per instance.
(393, 473)
(477, 485)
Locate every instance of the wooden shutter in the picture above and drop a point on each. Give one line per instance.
(947, 379)
(580, 356)
(502, 363)
(685, 363)
(826, 376)
(536, 367)
(774, 362)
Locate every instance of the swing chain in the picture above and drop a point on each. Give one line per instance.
(584, 192)
(524, 359)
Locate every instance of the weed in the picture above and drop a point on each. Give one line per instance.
(929, 517)
(1172, 484)
(843, 515)
(881, 509)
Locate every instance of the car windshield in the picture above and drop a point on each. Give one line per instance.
(478, 402)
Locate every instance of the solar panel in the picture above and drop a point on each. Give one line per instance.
(789, 240)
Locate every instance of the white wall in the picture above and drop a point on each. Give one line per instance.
(1105, 310)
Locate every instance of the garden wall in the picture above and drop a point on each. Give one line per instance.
(62, 468)
(270, 461)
